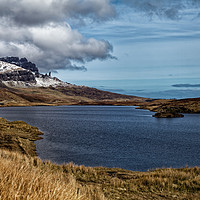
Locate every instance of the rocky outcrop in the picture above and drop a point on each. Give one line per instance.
(21, 62)
(15, 72)
(21, 75)
(172, 107)
(168, 112)
(167, 115)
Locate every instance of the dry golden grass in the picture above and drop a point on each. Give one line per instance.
(23, 177)
(158, 184)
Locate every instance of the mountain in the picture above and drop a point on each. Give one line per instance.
(21, 84)
(22, 73)
(21, 62)
(11, 72)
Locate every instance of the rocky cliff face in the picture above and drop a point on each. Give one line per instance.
(21, 73)
(21, 62)
(11, 72)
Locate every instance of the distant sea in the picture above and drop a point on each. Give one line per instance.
(168, 88)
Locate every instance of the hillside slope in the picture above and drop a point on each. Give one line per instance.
(21, 84)
(75, 95)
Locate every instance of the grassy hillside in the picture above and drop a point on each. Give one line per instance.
(69, 95)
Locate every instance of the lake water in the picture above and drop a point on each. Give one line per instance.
(112, 136)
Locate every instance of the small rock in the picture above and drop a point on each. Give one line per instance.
(167, 115)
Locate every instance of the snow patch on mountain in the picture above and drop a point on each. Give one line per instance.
(50, 81)
(14, 76)
(7, 67)
(40, 82)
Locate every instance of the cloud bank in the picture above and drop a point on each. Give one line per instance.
(39, 31)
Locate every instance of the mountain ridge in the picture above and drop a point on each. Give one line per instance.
(21, 62)
(16, 72)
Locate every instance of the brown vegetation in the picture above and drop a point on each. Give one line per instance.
(18, 136)
(172, 107)
(28, 177)
(23, 177)
(81, 95)
(69, 95)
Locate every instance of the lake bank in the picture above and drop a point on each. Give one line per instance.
(19, 136)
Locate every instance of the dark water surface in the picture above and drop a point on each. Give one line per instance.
(112, 136)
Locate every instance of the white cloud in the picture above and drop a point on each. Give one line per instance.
(38, 30)
(28, 12)
(52, 46)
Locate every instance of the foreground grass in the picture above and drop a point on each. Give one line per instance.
(26, 177)
(23, 177)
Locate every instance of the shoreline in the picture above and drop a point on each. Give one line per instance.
(163, 108)
(111, 183)
(19, 136)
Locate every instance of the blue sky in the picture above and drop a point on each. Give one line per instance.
(145, 47)
(104, 39)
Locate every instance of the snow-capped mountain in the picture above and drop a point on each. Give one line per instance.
(23, 62)
(7, 67)
(14, 75)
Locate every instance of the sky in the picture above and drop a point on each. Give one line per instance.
(104, 39)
